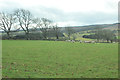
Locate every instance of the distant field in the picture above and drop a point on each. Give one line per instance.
(50, 59)
(79, 36)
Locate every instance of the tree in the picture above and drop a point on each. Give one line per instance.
(109, 35)
(7, 22)
(98, 33)
(69, 31)
(74, 36)
(105, 35)
(56, 31)
(44, 25)
(24, 18)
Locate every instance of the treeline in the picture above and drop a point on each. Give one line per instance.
(22, 20)
(103, 35)
(21, 24)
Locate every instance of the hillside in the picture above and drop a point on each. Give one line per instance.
(93, 27)
(90, 27)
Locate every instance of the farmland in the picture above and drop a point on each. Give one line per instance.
(58, 59)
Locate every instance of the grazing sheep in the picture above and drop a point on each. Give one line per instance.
(92, 41)
(80, 41)
(72, 41)
(87, 41)
(68, 40)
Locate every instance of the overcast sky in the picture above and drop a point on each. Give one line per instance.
(68, 12)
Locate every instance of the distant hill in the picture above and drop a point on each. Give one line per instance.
(90, 27)
(93, 27)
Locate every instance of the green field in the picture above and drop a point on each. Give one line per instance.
(59, 59)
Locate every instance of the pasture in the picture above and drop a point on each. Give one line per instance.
(58, 59)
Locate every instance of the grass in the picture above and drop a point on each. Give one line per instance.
(79, 36)
(57, 59)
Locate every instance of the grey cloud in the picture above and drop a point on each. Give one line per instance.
(58, 15)
(78, 17)
(8, 6)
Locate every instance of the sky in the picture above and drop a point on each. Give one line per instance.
(68, 12)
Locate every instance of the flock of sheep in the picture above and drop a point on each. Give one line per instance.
(80, 41)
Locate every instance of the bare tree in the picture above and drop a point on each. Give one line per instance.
(7, 22)
(44, 25)
(107, 35)
(69, 31)
(74, 36)
(24, 18)
(56, 30)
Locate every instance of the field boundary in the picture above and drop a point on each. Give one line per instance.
(0, 57)
(119, 41)
(60, 79)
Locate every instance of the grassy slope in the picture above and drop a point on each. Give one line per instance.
(79, 37)
(59, 59)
